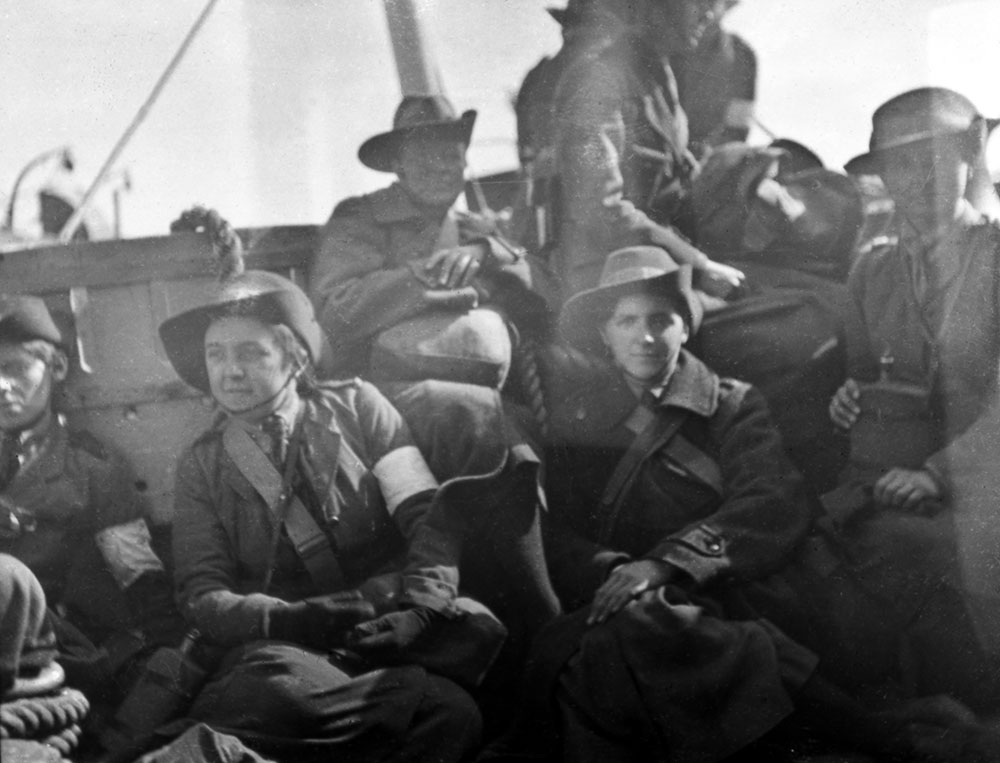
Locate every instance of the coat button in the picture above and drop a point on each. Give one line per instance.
(715, 548)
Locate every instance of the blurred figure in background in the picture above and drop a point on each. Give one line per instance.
(610, 163)
(717, 83)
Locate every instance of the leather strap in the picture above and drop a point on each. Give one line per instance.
(311, 544)
(657, 433)
(695, 461)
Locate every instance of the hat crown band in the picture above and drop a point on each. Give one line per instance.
(416, 111)
(632, 273)
(890, 132)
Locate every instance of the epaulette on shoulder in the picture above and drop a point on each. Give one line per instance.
(352, 205)
(878, 245)
(81, 439)
(334, 384)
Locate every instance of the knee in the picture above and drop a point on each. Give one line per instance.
(451, 712)
(20, 591)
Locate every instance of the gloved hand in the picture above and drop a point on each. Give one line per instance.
(320, 622)
(391, 633)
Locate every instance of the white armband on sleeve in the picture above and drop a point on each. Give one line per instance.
(402, 473)
(740, 114)
(127, 549)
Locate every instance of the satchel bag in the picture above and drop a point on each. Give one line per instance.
(473, 347)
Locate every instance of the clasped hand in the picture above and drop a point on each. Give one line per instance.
(625, 583)
(453, 268)
(391, 633)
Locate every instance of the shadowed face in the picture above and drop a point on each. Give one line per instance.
(26, 380)
(926, 180)
(645, 334)
(678, 26)
(431, 170)
(249, 372)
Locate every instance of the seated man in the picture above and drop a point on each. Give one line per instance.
(70, 513)
(406, 250)
(927, 359)
(399, 273)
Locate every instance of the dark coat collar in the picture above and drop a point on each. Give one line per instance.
(603, 404)
(392, 205)
(693, 386)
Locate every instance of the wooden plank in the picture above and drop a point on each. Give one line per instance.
(122, 262)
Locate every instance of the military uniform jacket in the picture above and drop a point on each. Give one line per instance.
(372, 499)
(362, 281)
(739, 524)
(620, 151)
(90, 540)
(937, 311)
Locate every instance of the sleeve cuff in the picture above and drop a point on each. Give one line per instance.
(700, 552)
(432, 594)
(127, 551)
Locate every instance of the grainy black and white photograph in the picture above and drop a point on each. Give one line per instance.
(500, 381)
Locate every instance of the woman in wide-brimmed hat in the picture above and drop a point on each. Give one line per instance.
(682, 538)
(303, 524)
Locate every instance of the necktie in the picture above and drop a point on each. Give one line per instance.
(276, 429)
(10, 458)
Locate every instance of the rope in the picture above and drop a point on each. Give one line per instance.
(52, 720)
(227, 247)
(526, 369)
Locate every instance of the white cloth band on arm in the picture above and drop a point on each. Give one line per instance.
(740, 114)
(127, 549)
(402, 473)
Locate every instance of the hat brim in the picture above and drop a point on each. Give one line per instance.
(183, 335)
(380, 151)
(580, 316)
(869, 163)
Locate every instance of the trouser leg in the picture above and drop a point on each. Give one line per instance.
(294, 704)
(445, 727)
(490, 474)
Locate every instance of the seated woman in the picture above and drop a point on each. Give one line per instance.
(303, 512)
(684, 537)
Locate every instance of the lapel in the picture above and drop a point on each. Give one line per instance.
(43, 481)
(320, 454)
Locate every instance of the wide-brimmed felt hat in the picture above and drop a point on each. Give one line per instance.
(431, 115)
(634, 269)
(918, 116)
(24, 318)
(268, 297)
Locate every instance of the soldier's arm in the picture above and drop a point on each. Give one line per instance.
(433, 545)
(355, 291)
(590, 143)
(206, 571)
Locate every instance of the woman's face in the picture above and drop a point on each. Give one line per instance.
(247, 366)
(644, 335)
